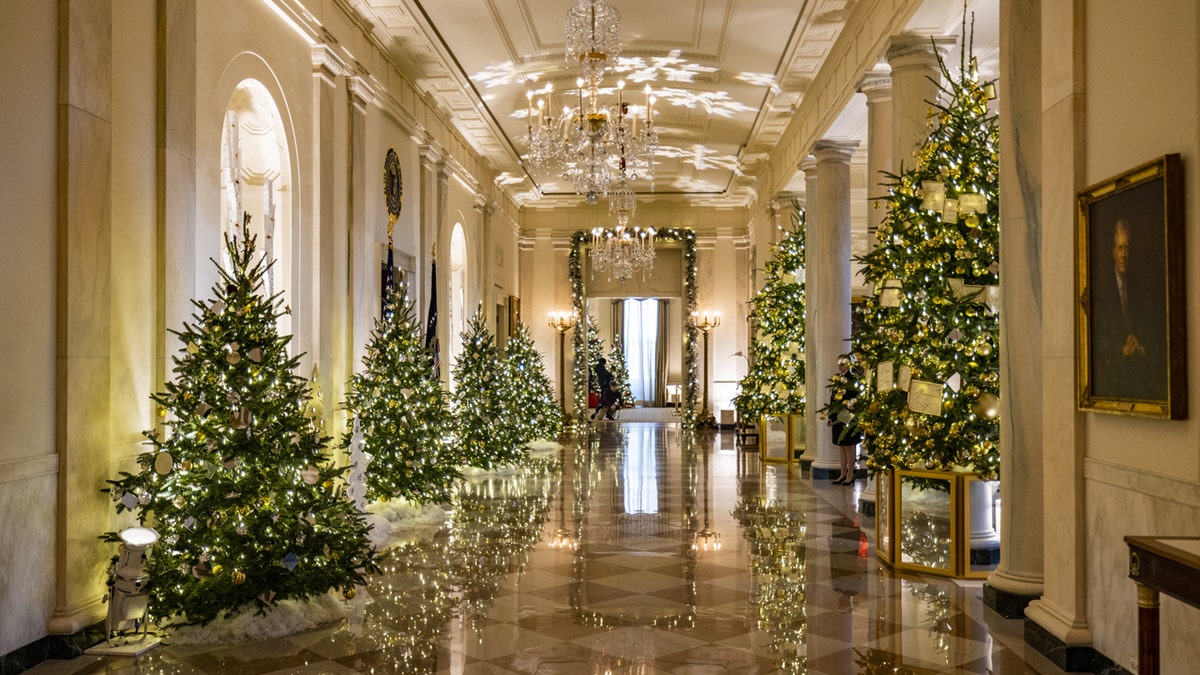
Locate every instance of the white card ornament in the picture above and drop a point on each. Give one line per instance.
(972, 202)
(310, 475)
(950, 211)
(218, 307)
(954, 382)
(240, 419)
(801, 275)
(193, 348)
(934, 193)
(787, 278)
(883, 375)
(925, 397)
(266, 597)
(904, 377)
(890, 295)
(189, 522)
(290, 561)
(129, 499)
(163, 463)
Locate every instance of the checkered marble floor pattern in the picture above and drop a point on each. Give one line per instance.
(646, 551)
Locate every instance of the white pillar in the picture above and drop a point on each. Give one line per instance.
(1019, 576)
(880, 138)
(914, 61)
(809, 166)
(827, 325)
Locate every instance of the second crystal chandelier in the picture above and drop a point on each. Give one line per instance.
(597, 147)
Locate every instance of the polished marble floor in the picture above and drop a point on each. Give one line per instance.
(638, 549)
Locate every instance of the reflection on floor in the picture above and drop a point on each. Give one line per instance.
(642, 550)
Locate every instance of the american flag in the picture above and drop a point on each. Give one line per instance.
(431, 339)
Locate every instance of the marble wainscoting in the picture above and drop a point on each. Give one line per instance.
(1123, 501)
(28, 491)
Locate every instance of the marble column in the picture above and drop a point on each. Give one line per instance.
(827, 292)
(431, 245)
(1019, 577)
(877, 86)
(1060, 616)
(915, 72)
(331, 297)
(483, 257)
(811, 181)
(84, 326)
(363, 259)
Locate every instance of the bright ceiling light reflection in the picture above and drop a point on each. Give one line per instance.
(760, 80)
(670, 68)
(715, 102)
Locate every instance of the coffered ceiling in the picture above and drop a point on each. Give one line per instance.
(728, 75)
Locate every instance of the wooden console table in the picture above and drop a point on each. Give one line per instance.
(1168, 565)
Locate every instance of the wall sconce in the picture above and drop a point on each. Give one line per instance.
(128, 596)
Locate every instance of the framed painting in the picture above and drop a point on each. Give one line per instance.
(1130, 328)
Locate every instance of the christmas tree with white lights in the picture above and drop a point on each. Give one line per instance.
(249, 508)
(774, 384)
(929, 337)
(530, 399)
(487, 432)
(595, 351)
(402, 411)
(620, 372)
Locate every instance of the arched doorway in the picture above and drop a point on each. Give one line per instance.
(457, 322)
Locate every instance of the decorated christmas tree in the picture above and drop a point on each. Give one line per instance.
(530, 400)
(402, 411)
(487, 431)
(620, 372)
(774, 384)
(249, 508)
(929, 337)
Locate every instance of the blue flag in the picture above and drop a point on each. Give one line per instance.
(431, 339)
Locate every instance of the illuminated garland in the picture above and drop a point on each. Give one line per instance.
(687, 238)
(250, 508)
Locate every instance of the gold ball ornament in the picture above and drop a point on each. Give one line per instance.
(349, 593)
(984, 348)
(239, 577)
(328, 485)
(988, 406)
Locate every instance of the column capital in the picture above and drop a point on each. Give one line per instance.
(362, 92)
(480, 204)
(327, 64)
(877, 85)
(834, 151)
(431, 156)
(808, 164)
(911, 49)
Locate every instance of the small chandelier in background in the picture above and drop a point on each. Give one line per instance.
(594, 146)
(622, 252)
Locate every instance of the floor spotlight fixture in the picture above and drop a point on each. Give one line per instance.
(596, 146)
(125, 628)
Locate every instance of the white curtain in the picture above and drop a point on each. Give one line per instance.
(641, 347)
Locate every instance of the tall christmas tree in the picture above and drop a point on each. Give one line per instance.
(530, 400)
(774, 384)
(402, 411)
(487, 434)
(249, 508)
(929, 335)
(620, 372)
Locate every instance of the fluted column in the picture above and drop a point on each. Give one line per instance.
(1019, 576)
(827, 326)
(811, 180)
(914, 61)
(431, 165)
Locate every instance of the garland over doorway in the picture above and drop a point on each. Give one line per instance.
(579, 376)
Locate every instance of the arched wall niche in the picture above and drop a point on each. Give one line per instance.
(269, 150)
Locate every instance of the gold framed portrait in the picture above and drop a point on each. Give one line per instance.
(1131, 328)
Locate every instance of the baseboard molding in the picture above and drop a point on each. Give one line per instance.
(51, 647)
(1070, 658)
(1007, 605)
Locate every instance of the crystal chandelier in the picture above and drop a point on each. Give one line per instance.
(593, 145)
(622, 252)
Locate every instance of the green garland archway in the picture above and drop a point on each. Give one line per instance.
(579, 376)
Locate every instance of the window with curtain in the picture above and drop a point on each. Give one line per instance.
(641, 470)
(641, 347)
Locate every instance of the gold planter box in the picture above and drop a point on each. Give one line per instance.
(922, 522)
(775, 438)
